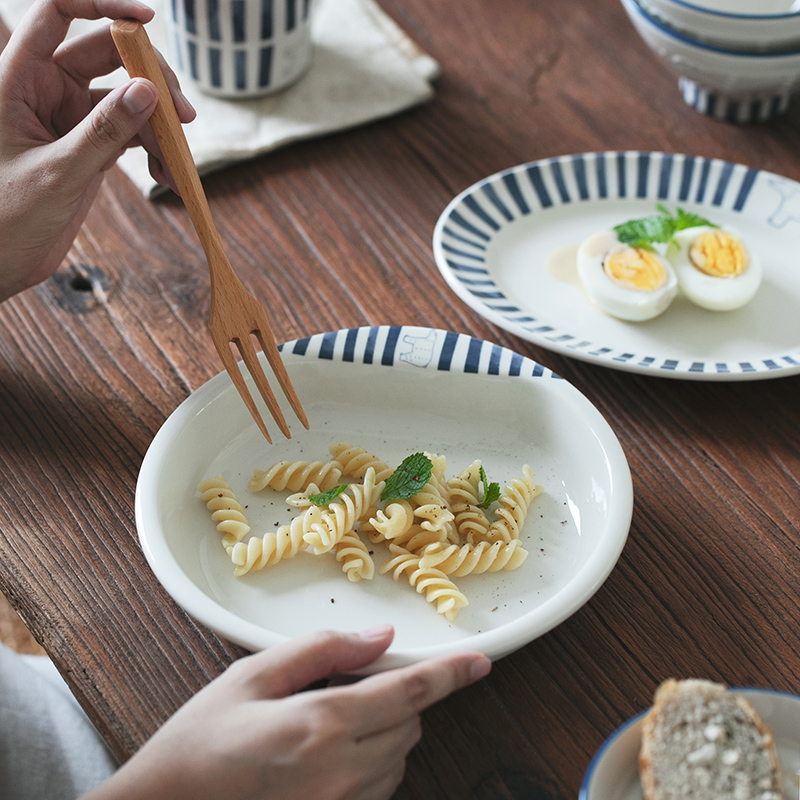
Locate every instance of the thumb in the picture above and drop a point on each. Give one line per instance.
(104, 133)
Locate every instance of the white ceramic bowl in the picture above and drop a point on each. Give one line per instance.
(723, 83)
(614, 770)
(394, 391)
(732, 23)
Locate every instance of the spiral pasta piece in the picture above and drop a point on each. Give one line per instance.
(465, 487)
(301, 499)
(417, 537)
(474, 559)
(394, 520)
(436, 586)
(357, 563)
(341, 516)
(355, 461)
(296, 476)
(470, 519)
(225, 508)
(267, 550)
(514, 501)
(431, 508)
(438, 468)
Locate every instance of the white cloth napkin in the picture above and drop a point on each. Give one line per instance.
(363, 68)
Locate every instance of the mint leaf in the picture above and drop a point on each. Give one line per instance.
(646, 231)
(323, 498)
(659, 228)
(491, 491)
(687, 219)
(409, 478)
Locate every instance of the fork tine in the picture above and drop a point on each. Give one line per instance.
(232, 368)
(276, 362)
(250, 357)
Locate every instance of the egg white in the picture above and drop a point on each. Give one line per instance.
(709, 291)
(629, 304)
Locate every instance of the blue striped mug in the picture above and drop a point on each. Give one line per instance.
(239, 48)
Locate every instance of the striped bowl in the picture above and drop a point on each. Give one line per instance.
(240, 48)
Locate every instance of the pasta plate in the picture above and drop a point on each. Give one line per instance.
(394, 391)
(504, 243)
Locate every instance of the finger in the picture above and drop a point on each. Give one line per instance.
(89, 56)
(155, 158)
(45, 25)
(398, 694)
(289, 667)
(107, 130)
(94, 54)
(161, 174)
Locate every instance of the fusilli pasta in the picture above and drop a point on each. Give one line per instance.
(438, 588)
(296, 476)
(394, 520)
(470, 519)
(474, 559)
(225, 508)
(342, 515)
(514, 503)
(355, 461)
(302, 499)
(431, 508)
(356, 560)
(438, 533)
(267, 550)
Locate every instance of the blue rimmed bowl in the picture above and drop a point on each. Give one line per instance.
(721, 82)
(614, 770)
(735, 24)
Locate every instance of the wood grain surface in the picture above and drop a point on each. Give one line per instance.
(336, 232)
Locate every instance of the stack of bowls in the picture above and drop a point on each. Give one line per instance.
(737, 60)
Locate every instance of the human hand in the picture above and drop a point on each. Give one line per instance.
(253, 735)
(58, 137)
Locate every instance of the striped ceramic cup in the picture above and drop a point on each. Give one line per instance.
(240, 48)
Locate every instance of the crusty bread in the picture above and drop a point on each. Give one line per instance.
(701, 742)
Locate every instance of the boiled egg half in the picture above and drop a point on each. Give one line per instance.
(715, 269)
(631, 283)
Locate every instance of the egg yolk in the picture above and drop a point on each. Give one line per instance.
(718, 254)
(635, 268)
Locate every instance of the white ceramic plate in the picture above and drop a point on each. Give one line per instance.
(614, 771)
(394, 391)
(503, 246)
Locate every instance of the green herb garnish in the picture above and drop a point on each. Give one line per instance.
(686, 219)
(491, 491)
(323, 498)
(659, 228)
(409, 478)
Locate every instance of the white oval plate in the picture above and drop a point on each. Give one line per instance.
(614, 771)
(394, 391)
(494, 244)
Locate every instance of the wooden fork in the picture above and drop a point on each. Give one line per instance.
(235, 315)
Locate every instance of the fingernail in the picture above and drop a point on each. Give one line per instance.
(480, 668)
(378, 632)
(137, 97)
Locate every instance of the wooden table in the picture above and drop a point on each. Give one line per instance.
(708, 582)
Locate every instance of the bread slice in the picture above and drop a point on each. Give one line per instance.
(701, 742)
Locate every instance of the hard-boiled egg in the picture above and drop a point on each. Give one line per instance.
(715, 269)
(632, 283)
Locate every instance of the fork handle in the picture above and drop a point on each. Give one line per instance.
(140, 61)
